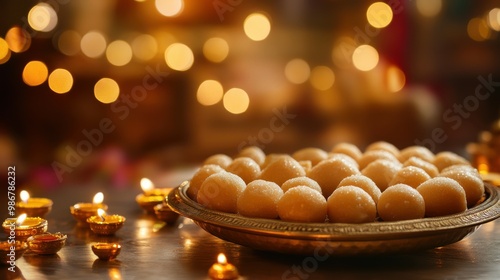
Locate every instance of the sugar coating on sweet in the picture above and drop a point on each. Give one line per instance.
(221, 160)
(446, 159)
(384, 146)
(260, 200)
(344, 157)
(329, 172)
(410, 175)
(442, 196)
(381, 171)
(348, 149)
(462, 168)
(315, 155)
(199, 177)
(244, 167)
(300, 181)
(351, 204)
(220, 191)
(306, 164)
(302, 204)
(282, 169)
(428, 167)
(271, 158)
(471, 183)
(254, 153)
(416, 151)
(400, 202)
(371, 156)
(363, 182)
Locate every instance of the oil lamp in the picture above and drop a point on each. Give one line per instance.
(222, 269)
(23, 227)
(104, 224)
(82, 211)
(150, 196)
(33, 206)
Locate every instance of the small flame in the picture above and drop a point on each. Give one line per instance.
(20, 219)
(101, 213)
(98, 198)
(146, 185)
(24, 196)
(221, 258)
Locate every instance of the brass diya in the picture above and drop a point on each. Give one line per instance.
(148, 202)
(23, 230)
(35, 207)
(106, 251)
(46, 243)
(9, 256)
(106, 225)
(82, 211)
(164, 213)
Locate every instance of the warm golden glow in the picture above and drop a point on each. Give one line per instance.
(209, 92)
(169, 8)
(429, 8)
(115, 273)
(297, 71)
(101, 213)
(236, 101)
(20, 220)
(144, 47)
(60, 81)
(18, 39)
(365, 58)
(396, 79)
(93, 44)
(106, 90)
(494, 19)
(221, 258)
(478, 29)
(379, 15)
(69, 42)
(215, 49)
(179, 57)
(35, 73)
(98, 198)
(146, 184)
(4, 51)
(24, 195)
(119, 53)
(42, 17)
(322, 77)
(257, 26)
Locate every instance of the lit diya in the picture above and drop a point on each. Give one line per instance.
(84, 210)
(222, 269)
(105, 224)
(46, 243)
(23, 227)
(151, 196)
(33, 206)
(164, 213)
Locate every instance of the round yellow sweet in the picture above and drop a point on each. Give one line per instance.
(442, 196)
(348, 149)
(446, 159)
(244, 167)
(219, 159)
(220, 191)
(329, 172)
(302, 204)
(199, 177)
(381, 171)
(300, 181)
(400, 202)
(282, 169)
(350, 204)
(363, 182)
(260, 200)
(271, 158)
(315, 155)
(472, 184)
(344, 157)
(410, 175)
(416, 151)
(254, 153)
(461, 168)
(428, 167)
(384, 146)
(371, 156)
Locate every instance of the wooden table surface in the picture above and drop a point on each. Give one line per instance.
(152, 250)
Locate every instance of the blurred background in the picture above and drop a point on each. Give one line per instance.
(114, 90)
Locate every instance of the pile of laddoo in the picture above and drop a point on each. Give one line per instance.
(343, 185)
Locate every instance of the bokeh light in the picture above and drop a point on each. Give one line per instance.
(236, 101)
(106, 90)
(379, 14)
(494, 19)
(429, 8)
(257, 26)
(169, 8)
(119, 53)
(395, 78)
(93, 44)
(42, 17)
(322, 77)
(68, 42)
(478, 29)
(144, 47)
(179, 57)
(209, 92)
(365, 58)
(35, 73)
(4, 51)
(60, 81)
(297, 71)
(215, 49)
(18, 39)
